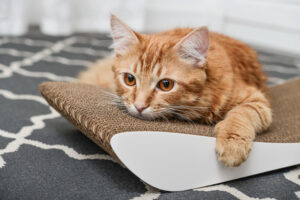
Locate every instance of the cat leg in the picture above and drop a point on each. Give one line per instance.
(99, 73)
(235, 134)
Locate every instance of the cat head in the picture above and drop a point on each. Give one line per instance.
(159, 75)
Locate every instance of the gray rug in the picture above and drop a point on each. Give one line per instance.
(42, 156)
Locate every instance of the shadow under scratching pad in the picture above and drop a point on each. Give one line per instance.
(177, 155)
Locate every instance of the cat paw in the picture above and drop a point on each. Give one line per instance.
(232, 148)
(232, 152)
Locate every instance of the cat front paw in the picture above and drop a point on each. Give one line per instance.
(232, 152)
(232, 148)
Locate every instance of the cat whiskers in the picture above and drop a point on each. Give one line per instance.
(162, 116)
(199, 110)
(190, 108)
(114, 99)
(183, 112)
(167, 111)
(189, 113)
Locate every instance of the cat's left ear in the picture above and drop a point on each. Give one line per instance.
(193, 48)
(123, 36)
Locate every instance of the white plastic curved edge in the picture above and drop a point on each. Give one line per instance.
(177, 162)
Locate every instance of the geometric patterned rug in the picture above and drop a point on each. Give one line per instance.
(42, 156)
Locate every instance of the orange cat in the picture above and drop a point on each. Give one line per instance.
(191, 74)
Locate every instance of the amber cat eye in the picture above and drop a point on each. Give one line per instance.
(129, 79)
(165, 84)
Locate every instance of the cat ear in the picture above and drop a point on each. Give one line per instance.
(122, 35)
(193, 48)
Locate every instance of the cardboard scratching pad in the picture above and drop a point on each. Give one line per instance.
(177, 155)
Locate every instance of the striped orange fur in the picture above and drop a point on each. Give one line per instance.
(214, 79)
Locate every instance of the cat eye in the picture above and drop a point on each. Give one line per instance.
(129, 79)
(165, 84)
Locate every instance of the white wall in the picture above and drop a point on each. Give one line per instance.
(273, 24)
(166, 14)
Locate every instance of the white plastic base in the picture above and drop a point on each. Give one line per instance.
(176, 162)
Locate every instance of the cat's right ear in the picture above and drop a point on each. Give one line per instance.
(122, 35)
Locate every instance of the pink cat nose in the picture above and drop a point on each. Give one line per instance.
(141, 107)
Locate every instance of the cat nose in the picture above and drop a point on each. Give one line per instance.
(141, 107)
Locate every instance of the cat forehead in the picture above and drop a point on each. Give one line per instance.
(153, 63)
(146, 60)
(156, 71)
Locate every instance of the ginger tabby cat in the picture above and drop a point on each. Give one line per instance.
(191, 74)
